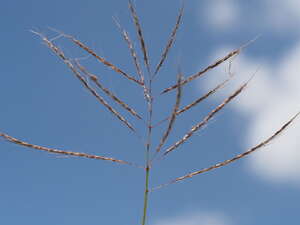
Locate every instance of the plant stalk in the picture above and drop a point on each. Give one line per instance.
(146, 193)
(148, 146)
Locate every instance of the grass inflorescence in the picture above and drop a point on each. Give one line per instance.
(144, 80)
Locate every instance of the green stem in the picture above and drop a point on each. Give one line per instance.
(146, 193)
(148, 146)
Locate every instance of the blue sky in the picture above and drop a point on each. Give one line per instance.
(42, 103)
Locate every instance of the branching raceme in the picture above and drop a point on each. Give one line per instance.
(145, 83)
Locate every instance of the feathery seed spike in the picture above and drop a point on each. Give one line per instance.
(202, 72)
(173, 115)
(101, 59)
(95, 79)
(211, 66)
(63, 152)
(170, 42)
(205, 96)
(202, 98)
(134, 57)
(133, 53)
(59, 53)
(140, 35)
(237, 157)
(206, 119)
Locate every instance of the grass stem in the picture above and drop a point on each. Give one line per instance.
(146, 194)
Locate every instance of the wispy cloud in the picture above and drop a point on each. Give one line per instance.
(263, 15)
(222, 14)
(281, 15)
(196, 218)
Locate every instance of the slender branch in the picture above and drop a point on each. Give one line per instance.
(134, 57)
(211, 66)
(133, 53)
(170, 42)
(173, 115)
(60, 54)
(206, 119)
(237, 157)
(196, 102)
(95, 79)
(63, 152)
(101, 59)
(205, 96)
(140, 35)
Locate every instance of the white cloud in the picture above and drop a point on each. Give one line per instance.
(222, 14)
(272, 98)
(196, 219)
(281, 15)
(278, 16)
